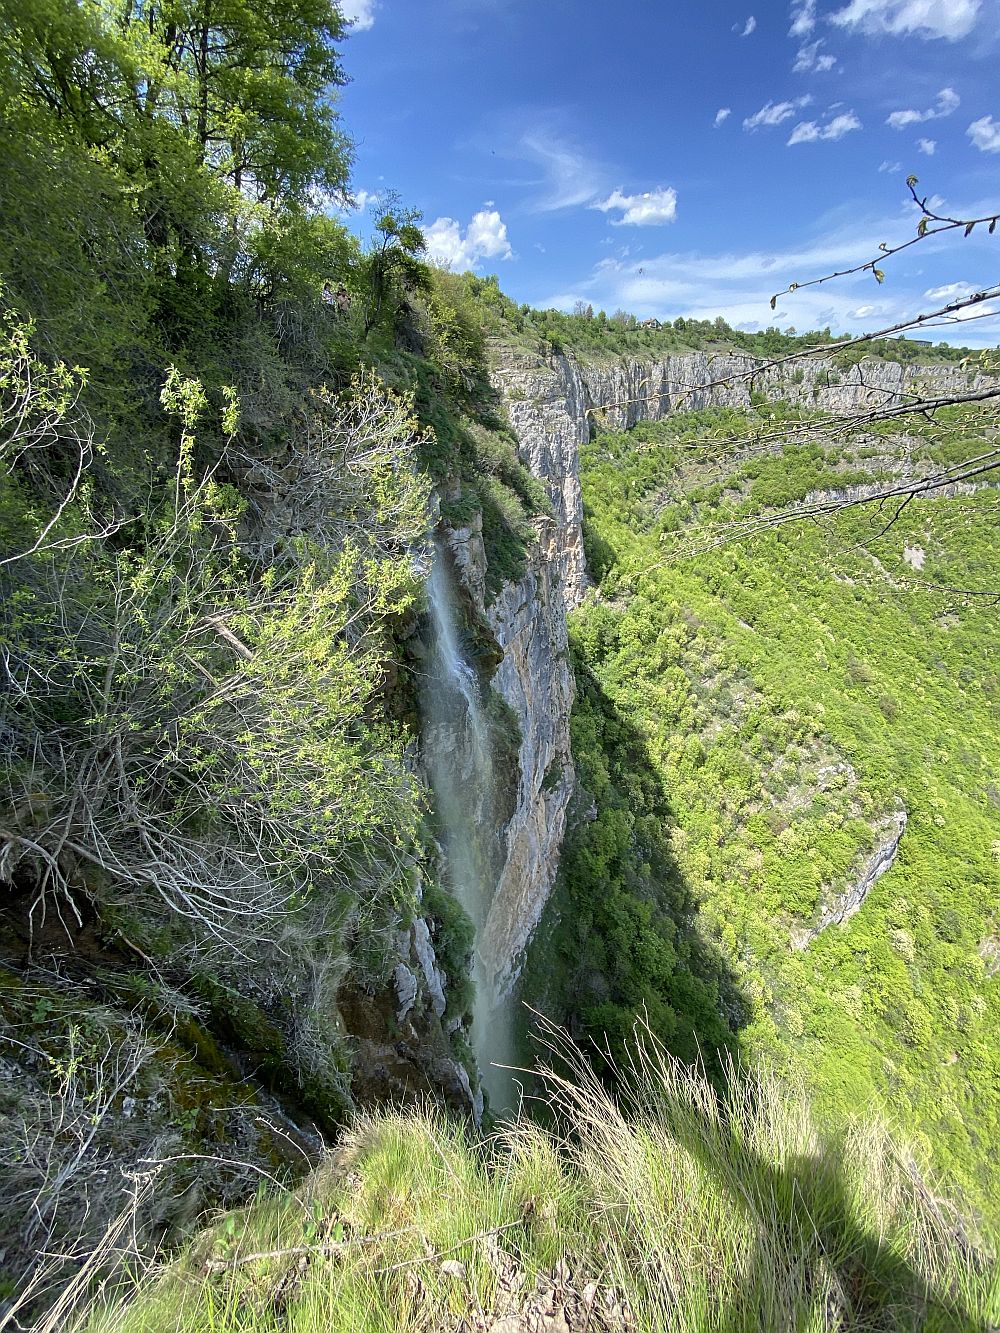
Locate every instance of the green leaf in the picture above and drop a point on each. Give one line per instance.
(879, 275)
(968, 227)
(911, 180)
(922, 226)
(774, 301)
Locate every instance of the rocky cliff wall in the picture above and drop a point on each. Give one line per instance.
(552, 404)
(631, 390)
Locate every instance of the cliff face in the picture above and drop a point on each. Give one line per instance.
(552, 404)
(633, 390)
(546, 404)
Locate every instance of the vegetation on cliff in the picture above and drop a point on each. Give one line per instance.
(216, 485)
(215, 495)
(752, 716)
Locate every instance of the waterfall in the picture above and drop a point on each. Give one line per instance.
(459, 758)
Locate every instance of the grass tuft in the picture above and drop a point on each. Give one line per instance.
(666, 1206)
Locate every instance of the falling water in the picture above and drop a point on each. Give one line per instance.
(460, 765)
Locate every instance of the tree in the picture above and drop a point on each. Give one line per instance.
(392, 261)
(184, 93)
(245, 83)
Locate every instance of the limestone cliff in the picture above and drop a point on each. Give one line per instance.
(552, 404)
(630, 390)
(546, 406)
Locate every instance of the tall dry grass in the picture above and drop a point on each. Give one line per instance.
(665, 1206)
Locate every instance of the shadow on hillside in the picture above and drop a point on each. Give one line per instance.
(620, 935)
(621, 943)
(808, 1230)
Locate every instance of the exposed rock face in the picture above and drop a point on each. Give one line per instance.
(628, 391)
(844, 906)
(546, 404)
(528, 621)
(535, 679)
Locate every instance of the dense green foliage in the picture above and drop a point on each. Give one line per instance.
(216, 489)
(215, 498)
(598, 336)
(787, 694)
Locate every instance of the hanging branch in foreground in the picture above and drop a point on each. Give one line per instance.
(951, 312)
(928, 215)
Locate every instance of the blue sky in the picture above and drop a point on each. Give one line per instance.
(687, 158)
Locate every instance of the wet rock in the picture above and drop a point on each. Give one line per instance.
(423, 950)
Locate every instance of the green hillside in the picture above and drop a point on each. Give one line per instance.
(750, 715)
(240, 434)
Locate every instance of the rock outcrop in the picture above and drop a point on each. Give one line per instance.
(844, 905)
(547, 406)
(536, 681)
(630, 390)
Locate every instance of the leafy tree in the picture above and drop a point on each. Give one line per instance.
(392, 264)
(241, 86)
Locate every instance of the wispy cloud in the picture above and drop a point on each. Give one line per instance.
(738, 285)
(927, 146)
(654, 208)
(951, 291)
(803, 18)
(809, 131)
(985, 134)
(773, 113)
(747, 28)
(360, 13)
(570, 177)
(723, 114)
(484, 238)
(811, 60)
(891, 167)
(950, 19)
(947, 102)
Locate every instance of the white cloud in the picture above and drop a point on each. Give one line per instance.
(808, 131)
(950, 19)
(985, 134)
(738, 284)
(651, 209)
(927, 146)
(723, 113)
(748, 27)
(571, 178)
(773, 113)
(360, 13)
(862, 311)
(803, 18)
(947, 102)
(485, 238)
(810, 60)
(890, 167)
(951, 291)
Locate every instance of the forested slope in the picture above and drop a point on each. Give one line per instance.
(755, 720)
(215, 506)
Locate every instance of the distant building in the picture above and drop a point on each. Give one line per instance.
(650, 324)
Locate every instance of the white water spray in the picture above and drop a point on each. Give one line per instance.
(459, 757)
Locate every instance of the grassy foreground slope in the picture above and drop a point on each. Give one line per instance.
(663, 1209)
(787, 696)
